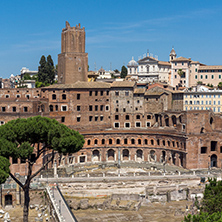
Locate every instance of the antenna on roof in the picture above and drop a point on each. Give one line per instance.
(110, 66)
(147, 52)
(95, 65)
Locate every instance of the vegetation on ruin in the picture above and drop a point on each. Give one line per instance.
(28, 139)
(123, 73)
(210, 207)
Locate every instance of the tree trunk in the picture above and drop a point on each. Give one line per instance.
(26, 204)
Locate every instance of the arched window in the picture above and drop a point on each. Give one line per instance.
(51, 108)
(63, 96)
(95, 141)
(137, 116)
(163, 142)
(152, 142)
(110, 141)
(118, 141)
(125, 141)
(145, 141)
(139, 141)
(132, 141)
(158, 142)
(53, 96)
(103, 141)
(88, 142)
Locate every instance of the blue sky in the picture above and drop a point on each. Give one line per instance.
(116, 30)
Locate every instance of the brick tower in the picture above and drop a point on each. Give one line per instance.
(73, 61)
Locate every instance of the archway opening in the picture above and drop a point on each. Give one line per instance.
(174, 120)
(163, 156)
(95, 156)
(174, 158)
(152, 156)
(213, 160)
(125, 154)
(139, 155)
(166, 120)
(8, 199)
(111, 153)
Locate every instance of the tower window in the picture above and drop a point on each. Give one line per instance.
(78, 96)
(54, 96)
(63, 96)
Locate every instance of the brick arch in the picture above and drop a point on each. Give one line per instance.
(152, 155)
(152, 142)
(88, 142)
(95, 155)
(139, 155)
(168, 143)
(125, 154)
(95, 141)
(118, 141)
(139, 141)
(111, 155)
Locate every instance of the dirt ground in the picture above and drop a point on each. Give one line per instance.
(154, 212)
(16, 214)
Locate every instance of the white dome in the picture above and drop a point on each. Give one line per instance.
(132, 63)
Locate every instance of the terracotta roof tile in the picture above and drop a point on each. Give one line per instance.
(164, 63)
(139, 90)
(80, 85)
(181, 59)
(123, 84)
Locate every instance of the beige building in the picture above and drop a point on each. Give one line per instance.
(203, 98)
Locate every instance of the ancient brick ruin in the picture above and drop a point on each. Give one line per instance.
(119, 120)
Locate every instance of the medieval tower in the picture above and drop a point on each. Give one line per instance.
(73, 61)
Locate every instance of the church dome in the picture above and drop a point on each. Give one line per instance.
(132, 63)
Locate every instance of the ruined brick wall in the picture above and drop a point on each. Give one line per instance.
(204, 143)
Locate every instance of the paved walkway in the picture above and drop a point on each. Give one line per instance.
(62, 210)
(121, 178)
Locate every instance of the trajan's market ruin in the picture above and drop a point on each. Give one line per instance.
(121, 121)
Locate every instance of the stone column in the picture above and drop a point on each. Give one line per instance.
(17, 195)
(55, 170)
